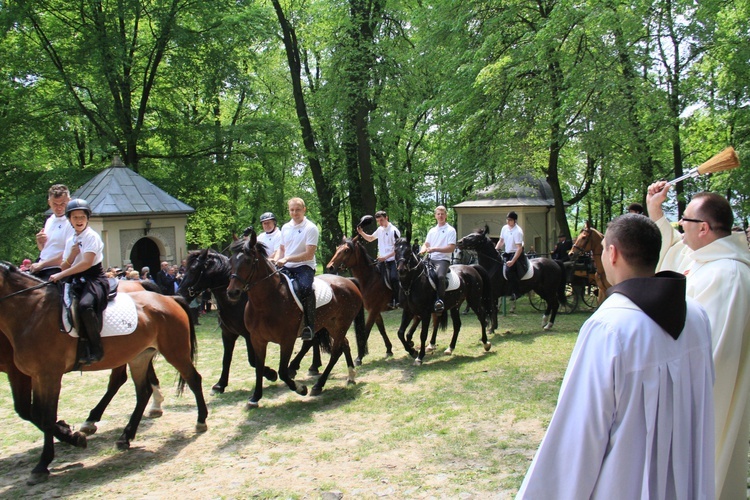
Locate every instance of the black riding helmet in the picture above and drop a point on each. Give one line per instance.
(78, 204)
(267, 216)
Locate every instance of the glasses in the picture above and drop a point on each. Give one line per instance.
(688, 219)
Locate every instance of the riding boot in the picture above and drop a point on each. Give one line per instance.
(92, 327)
(309, 317)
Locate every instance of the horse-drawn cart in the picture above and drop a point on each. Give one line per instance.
(580, 287)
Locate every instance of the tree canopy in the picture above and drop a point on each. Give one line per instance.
(363, 105)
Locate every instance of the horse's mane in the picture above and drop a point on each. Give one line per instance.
(10, 269)
(360, 247)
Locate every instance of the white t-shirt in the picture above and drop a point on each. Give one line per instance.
(58, 231)
(387, 237)
(89, 241)
(271, 240)
(296, 237)
(511, 237)
(440, 236)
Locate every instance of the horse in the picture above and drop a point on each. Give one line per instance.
(29, 320)
(210, 270)
(352, 255)
(419, 298)
(590, 240)
(20, 383)
(548, 279)
(272, 315)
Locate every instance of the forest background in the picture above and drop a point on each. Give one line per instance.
(233, 106)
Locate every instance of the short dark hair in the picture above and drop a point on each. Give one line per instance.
(637, 238)
(635, 207)
(58, 190)
(715, 210)
(380, 213)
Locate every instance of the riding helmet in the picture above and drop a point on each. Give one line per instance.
(512, 215)
(77, 204)
(267, 216)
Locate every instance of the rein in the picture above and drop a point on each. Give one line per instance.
(40, 285)
(247, 286)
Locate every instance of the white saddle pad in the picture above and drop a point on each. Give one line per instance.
(453, 282)
(323, 292)
(120, 317)
(529, 273)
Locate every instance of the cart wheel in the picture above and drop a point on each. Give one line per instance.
(537, 302)
(571, 300)
(590, 296)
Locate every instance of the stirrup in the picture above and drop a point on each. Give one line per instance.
(307, 333)
(439, 306)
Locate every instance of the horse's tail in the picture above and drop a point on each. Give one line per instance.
(442, 321)
(193, 339)
(323, 338)
(487, 301)
(359, 325)
(563, 281)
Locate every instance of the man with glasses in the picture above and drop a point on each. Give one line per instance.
(717, 267)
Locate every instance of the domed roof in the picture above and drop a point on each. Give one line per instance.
(517, 190)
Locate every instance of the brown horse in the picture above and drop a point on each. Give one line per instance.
(590, 241)
(29, 319)
(272, 315)
(352, 255)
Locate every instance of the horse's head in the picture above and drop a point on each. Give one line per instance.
(204, 269)
(345, 256)
(475, 240)
(248, 256)
(589, 240)
(405, 258)
(13, 280)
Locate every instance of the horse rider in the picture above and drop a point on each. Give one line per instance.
(440, 244)
(271, 235)
(296, 257)
(82, 262)
(386, 234)
(56, 231)
(511, 244)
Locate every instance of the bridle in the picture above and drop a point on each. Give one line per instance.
(409, 269)
(246, 282)
(588, 245)
(18, 292)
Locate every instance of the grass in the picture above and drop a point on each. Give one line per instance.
(466, 424)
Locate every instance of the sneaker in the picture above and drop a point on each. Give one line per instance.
(439, 306)
(307, 333)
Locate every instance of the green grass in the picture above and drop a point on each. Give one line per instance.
(466, 423)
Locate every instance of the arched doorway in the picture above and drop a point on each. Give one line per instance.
(145, 252)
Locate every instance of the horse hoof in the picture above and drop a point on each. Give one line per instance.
(88, 428)
(487, 346)
(389, 354)
(448, 351)
(291, 374)
(37, 478)
(315, 391)
(417, 362)
(430, 347)
(217, 389)
(351, 382)
(357, 362)
(201, 427)
(80, 440)
(154, 413)
(302, 390)
(312, 372)
(548, 326)
(271, 376)
(122, 445)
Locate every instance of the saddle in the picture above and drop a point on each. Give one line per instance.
(322, 290)
(524, 265)
(383, 268)
(452, 281)
(119, 318)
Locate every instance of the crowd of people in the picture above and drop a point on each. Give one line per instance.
(655, 401)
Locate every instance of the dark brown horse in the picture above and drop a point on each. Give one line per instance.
(352, 255)
(272, 315)
(548, 279)
(419, 296)
(29, 319)
(589, 240)
(209, 270)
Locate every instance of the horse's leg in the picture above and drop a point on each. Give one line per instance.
(228, 340)
(406, 317)
(117, 377)
(336, 351)
(155, 410)
(456, 317)
(286, 348)
(423, 338)
(371, 319)
(316, 362)
(260, 360)
(182, 359)
(139, 372)
(297, 361)
(268, 372)
(386, 340)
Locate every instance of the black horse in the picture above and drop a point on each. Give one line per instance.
(547, 281)
(210, 270)
(418, 298)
